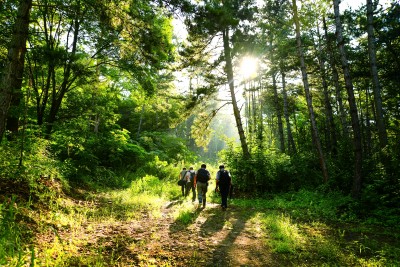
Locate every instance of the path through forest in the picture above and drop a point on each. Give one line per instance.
(214, 238)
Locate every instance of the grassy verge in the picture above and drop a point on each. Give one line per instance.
(54, 234)
(313, 229)
(301, 229)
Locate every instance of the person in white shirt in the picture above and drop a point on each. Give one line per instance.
(190, 183)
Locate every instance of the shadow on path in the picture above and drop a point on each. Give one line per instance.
(228, 227)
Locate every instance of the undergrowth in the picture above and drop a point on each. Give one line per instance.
(323, 230)
(299, 227)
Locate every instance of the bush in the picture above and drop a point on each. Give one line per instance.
(268, 171)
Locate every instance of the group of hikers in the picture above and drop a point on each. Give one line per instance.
(191, 180)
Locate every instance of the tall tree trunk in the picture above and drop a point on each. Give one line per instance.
(368, 136)
(11, 81)
(260, 128)
(331, 142)
(314, 130)
(355, 123)
(291, 144)
(254, 107)
(236, 112)
(335, 78)
(374, 73)
(278, 113)
(247, 111)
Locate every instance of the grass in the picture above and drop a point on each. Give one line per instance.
(143, 198)
(298, 228)
(283, 235)
(310, 227)
(185, 214)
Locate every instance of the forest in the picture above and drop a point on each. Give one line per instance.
(103, 102)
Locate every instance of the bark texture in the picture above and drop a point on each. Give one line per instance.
(11, 81)
(355, 123)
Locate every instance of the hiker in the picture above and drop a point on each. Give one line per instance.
(223, 185)
(182, 181)
(190, 183)
(201, 183)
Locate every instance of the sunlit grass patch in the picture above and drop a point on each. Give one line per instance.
(12, 234)
(143, 197)
(185, 213)
(153, 186)
(282, 235)
(304, 204)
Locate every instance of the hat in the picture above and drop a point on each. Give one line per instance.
(221, 166)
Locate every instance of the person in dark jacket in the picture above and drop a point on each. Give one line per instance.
(201, 183)
(223, 185)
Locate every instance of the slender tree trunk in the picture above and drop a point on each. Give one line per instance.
(291, 144)
(335, 78)
(260, 132)
(247, 111)
(254, 99)
(355, 123)
(374, 73)
(236, 112)
(368, 135)
(314, 130)
(11, 81)
(278, 113)
(331, 142)
(363, 120)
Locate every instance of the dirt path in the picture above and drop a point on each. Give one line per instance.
(214, 238)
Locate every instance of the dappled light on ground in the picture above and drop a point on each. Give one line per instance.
(107, 230)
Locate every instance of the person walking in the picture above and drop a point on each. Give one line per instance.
(190, 183)
(182, 181)
(201, 183)
(223, 185)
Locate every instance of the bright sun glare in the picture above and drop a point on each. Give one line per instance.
(248, 67)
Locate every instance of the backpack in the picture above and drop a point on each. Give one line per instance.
(202, 176)
(192, 174)
(224, 178)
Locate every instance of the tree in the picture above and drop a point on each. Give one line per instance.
(81, 41)
(314, 129)
(230, 78)
(335, 77)
(224, 21)
(331, 141)
(280, 54)
(11, 80)
(374, 74)
(291, 144)
(357, 181)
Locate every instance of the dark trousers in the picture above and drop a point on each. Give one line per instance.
(183, 189)
(224, 191)
(190, 186)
